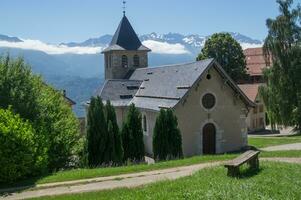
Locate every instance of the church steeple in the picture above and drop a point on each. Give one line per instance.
(125, 38)
(125, 52)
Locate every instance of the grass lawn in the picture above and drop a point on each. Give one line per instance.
(273, 181)
(261, 142)
(78, 174)
(287, 154)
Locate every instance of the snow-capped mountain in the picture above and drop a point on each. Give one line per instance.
(192, 43)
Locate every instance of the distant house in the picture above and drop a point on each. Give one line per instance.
(69, 101)
(256, 119)
(256, 63)
(211, 109)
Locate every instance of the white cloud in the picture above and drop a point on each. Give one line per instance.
(250, 45)
(165, 48)
(50, 48)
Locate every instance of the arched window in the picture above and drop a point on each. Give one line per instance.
(136, 61)
(124, 61)
(144, 124)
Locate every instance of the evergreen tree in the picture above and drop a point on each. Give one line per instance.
(103, 138)
(160, 138)
(227, 52)
(132, 135)
(114, 134)
(97, 135)
(167, 139)
(282, 96)
(174, 135)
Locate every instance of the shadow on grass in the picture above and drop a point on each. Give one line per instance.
(249, 172)
(8, 188)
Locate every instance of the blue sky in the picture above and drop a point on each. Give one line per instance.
(56, 21)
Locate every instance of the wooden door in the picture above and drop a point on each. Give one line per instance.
(209, 139)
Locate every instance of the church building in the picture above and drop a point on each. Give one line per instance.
(211, 109)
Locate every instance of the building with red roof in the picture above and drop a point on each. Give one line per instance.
(256, 119)
(256, 63)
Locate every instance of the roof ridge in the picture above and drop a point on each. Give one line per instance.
(175, 65)
(132, 80)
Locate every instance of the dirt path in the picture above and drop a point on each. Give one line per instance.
(284, 147)
(126, 180)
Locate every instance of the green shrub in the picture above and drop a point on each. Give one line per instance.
(18, 153)
(56, 127)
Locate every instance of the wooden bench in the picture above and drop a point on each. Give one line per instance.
(251, 157)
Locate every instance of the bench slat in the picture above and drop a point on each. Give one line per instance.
(242, 158)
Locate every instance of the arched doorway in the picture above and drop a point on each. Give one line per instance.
(209, 139)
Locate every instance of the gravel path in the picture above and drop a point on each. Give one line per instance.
(284, 147)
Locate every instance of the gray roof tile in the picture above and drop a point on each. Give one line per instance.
(125, 38)
(119, 92)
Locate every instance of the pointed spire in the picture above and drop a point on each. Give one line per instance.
(125, 38)
(124, 2)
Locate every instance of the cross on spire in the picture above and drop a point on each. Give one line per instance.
(124, 2)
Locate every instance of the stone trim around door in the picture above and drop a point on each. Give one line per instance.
(218, 137)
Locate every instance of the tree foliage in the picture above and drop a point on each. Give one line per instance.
(228, 53)
(114, 134)
(103, 137)
(282, 95)
(132, 135)
(55, 125)
(18, 151)
(167, 139)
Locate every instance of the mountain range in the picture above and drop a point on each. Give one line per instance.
(78, 66)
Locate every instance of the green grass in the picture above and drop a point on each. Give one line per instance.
(261, 142)
(272, 181)
(78, 174)
(111, 171)
(287, 154)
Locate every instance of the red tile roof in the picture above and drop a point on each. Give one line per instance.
(255, 61)
(251, 90)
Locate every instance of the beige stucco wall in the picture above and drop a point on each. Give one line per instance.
(254, 118)
(113, 63)
(228, 116)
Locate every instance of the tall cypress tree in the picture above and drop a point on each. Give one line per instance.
(114, 135)
(167, 139)
(132, 135)
(103, 138)
(282, 96)
(96, 133)
(160, 138)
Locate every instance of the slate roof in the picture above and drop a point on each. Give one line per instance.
(161, 87)
(165, 86)
(125, 38)
(119, 91)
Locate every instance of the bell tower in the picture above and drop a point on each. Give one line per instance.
(125, 52)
